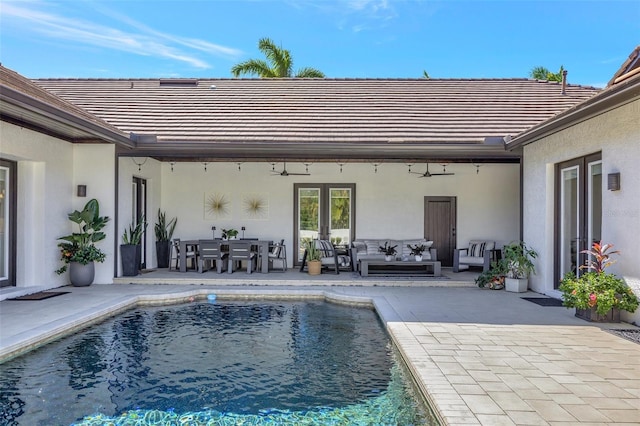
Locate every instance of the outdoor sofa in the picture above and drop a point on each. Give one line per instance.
(369, 248)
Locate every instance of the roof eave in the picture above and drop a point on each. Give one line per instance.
(256, 151)
(45, 111)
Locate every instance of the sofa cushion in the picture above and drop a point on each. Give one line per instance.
(359, 246)
(373, 246)
(471, 260)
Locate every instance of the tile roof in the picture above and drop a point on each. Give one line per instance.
(358, 110)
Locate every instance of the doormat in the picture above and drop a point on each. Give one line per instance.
(41, 295)
(544, 301)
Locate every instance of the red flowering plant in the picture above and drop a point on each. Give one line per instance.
(596, 288)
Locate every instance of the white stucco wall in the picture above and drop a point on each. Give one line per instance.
(617, 134)
(389, 203)
(48, 171)
(151, 172)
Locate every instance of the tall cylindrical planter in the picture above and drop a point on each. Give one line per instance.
(81, 275)
(163, 253)
(130, 255)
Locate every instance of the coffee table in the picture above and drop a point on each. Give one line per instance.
(429, 268)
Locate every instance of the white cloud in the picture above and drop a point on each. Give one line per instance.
(144, 41)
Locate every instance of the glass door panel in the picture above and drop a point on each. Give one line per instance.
(595, 203)
(340, 216)
(8, 228)
(308, 217)
(4, 225)
(569, 221)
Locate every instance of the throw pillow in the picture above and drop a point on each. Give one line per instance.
(477, 248)
(372, 246)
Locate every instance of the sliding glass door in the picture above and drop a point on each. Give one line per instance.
(324, 211)
(7, 223)
(579, 212)
(139, 211)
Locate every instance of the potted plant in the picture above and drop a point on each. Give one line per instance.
(313, 256)
(229, 234)
(598, 295)
(518, 261)
(417, 251)
(164, 233)
(130, 249)
(389, 251)
(78, 250)
(494, 277)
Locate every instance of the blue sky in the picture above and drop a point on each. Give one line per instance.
(342, 38)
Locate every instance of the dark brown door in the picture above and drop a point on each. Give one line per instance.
(440, 226)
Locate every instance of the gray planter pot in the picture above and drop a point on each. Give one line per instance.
(130, 255)
(163, 253)
(593, 316)
(81, 275)
(516, 285)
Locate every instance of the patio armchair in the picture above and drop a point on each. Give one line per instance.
(192, 254)
(478, 254)
(210, 253)
(278, 254)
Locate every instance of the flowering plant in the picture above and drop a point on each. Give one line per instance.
(596, 288)
(79, 246)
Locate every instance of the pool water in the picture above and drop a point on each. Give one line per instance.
(215, 363)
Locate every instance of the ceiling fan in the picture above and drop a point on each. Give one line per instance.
(429, 174)
(284, 171)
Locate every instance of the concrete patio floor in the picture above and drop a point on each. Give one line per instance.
(478, 356)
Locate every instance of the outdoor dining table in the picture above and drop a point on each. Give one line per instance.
(263, 250)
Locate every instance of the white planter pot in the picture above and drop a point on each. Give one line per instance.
(418, 258)
(389, 258)
(516, 285)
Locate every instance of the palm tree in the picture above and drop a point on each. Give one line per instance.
(279, 64)
(541, 73)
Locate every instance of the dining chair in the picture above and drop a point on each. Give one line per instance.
(192, 253)
(241, 251)
(278, 253)
(210, 252)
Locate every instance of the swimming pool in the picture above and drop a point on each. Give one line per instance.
(216, 363)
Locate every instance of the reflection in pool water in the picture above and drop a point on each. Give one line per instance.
(215, 363)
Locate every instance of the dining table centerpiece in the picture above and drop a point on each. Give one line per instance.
(597, 295)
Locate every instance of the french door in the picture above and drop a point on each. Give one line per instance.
(139, 211)
(325, 211)
(578, 212)
(8, 196)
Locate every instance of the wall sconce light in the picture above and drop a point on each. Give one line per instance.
(82, 191)
(613, 181)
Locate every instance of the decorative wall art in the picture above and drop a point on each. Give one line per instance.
(255, 206)
(217, 205)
